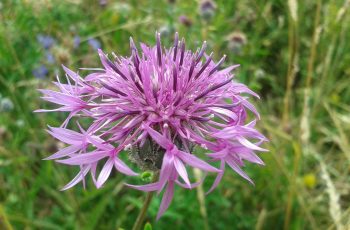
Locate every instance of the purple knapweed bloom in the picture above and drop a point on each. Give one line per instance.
(160, 104)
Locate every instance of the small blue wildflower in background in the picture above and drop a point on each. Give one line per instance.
(94, 43)
(46, 41)
(49, 57)
(76, 41)
(40, 72)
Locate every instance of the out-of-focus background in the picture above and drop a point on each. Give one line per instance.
(295, 54)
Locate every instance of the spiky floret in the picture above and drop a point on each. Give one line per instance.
(172, 97)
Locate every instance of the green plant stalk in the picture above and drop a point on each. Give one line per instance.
(142, 214)
(200, 197)
(297, 157)
(304, 124)
(292, 65)
(328, 60)
(140, 218)
(4, 223)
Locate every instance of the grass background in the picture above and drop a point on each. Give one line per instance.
(296, 55)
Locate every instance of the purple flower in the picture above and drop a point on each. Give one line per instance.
(46, 41)
(168, 101)
(94, 43)
(40, 72)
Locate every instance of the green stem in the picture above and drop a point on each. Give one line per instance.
(142, 214)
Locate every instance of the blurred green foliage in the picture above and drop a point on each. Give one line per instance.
(297, 61)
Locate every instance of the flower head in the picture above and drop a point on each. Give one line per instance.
(165, 100)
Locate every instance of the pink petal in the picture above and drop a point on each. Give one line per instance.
(79, 177)
(64, 152)
(251, 107)
(251, 124)
(66, 135)
(105, 172)
(72, 74)
(98, 143)
(146, 188)
(123, 168)
(249, 144)
(166, 170)
(225, 112)
(52, 110)
(196, 162)
(251, 156)
(231, 162)
(166, 200)
(93, 173)
(180, 168)
(220, 154)
(218, 177)
(228, 69)
(193, 185)
(159, 138)
(85, 158)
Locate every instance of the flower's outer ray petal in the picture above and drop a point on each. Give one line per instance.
(181, 169)
(166, 200)
(160, 139)
(105, 172)
(86, 158)
(249, 144)
(146, 188)
(231, 162)
(193, 185)
(218, 177)
(166, 170)
(64, 152)
(79, 177)
(196, 162)
(123, 168)
(251, 157)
